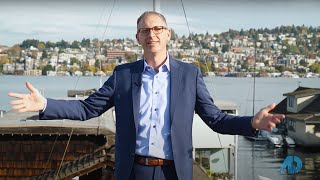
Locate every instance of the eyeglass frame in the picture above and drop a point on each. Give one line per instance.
(152, 28)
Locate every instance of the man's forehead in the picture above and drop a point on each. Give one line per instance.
(151, 18)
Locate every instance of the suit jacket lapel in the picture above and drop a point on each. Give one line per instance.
(175, 80)
(136, 83)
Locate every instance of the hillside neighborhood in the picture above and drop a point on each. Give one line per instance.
(286, 51)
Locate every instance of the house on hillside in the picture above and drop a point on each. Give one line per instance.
(302, 110)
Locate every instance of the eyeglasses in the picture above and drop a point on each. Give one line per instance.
(155, 30)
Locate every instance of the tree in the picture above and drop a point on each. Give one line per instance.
(14, 51)
(225, 48)
(278, 39)
(60, 51)
(241, 32)
(294, 30)
(41, 45)
(185, 45)
(131, 57)
(303, 63)
(75, 45)
(50, 44)
(215, 50)
(47, 68)
(245, 65)
(85, 42)
(29, 42)
(293, 49)
(174, 36)
(315, 68)
(203, 67)
(4, 61)
(213, 68)
(87, 67)
(44, 54)
(283, 68)
(63, 44)
(74, 60)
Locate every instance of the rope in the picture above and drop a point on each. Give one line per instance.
(185, 16)
(52, 150)
(104, 8)
(64, 155)
(114, 2)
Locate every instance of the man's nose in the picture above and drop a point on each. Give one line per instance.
(151, 33)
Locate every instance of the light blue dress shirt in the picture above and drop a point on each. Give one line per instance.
(154, 128)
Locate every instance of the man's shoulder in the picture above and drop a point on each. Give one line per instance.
(129, 66)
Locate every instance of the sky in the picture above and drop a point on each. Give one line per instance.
(54, 20)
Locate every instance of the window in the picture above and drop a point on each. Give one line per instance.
(291, 125)
(290, 101)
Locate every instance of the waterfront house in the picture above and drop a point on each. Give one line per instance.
(302, 110)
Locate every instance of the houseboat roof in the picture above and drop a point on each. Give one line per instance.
(303, 92)
(14, 122)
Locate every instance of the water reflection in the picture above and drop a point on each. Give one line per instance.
(260, 160)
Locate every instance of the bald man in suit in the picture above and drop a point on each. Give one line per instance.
(154, 99)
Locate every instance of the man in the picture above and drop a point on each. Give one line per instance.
(155, 99)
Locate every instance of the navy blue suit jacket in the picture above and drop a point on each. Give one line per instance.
(122, 90)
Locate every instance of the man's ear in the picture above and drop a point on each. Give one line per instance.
(137, 38)
(169, 34)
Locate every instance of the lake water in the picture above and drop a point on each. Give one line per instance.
(255, 160)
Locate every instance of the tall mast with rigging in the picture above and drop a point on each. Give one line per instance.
(156, 6)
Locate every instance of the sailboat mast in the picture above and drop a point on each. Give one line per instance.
(156, 6)
(254, 73)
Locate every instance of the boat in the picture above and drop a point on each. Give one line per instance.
(278, 138)
(279, 141)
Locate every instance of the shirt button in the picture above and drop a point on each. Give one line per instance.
(154, 126)
(156, 93)
(152, 143)
(155, 109)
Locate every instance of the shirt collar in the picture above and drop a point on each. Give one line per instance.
(166, 64)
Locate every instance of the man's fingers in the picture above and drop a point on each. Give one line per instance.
(275, 120)
(30, 87)
(270, 107)
(23, 110)
(279, 116)
(270, 126)
(18, 107)
(16, 95)
(16, 102)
